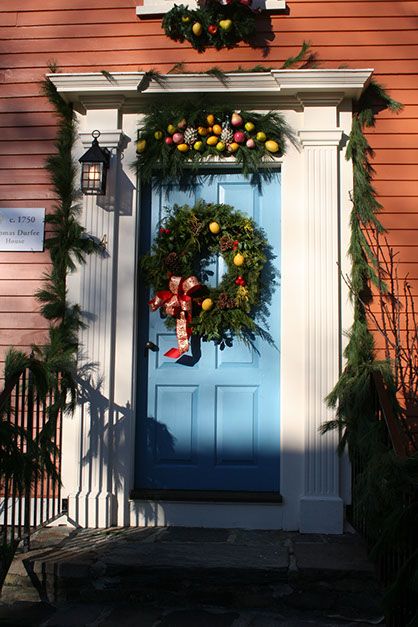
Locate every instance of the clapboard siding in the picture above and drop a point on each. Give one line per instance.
(92, 35)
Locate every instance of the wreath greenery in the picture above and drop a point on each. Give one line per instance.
(189, 239)
(176, 139)
(215, 24)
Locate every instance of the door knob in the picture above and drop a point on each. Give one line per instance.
(150, 346)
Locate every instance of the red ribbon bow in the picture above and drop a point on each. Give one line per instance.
(177, 302)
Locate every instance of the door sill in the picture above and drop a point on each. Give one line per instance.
(215, 496)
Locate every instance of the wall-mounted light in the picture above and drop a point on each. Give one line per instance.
(94, 166)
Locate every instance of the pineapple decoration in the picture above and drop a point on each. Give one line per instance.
(190, 135)
(227, 135)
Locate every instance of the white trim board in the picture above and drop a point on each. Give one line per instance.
(160, 7)
(123, 86)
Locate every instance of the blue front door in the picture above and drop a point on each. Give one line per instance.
(210, 421)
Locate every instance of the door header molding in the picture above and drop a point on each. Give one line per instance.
(289, 88)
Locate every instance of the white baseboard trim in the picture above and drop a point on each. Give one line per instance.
(210, 515)
(321, 514)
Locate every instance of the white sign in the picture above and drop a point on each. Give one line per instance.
(22, 230)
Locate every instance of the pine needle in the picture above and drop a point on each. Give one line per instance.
(109, 77)
(151, 75)
(219, 74)
(178, 68)
(299, 57)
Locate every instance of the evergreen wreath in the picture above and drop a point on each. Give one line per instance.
(178, 265)
(215, 24)
(174, 140)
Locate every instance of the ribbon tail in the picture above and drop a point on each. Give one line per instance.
(173, 353)
(183, 334)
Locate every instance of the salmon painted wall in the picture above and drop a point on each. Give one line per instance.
(92, 35)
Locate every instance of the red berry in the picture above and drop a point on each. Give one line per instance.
(162, 231)
(167, 231)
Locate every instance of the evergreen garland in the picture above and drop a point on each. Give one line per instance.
(353, 396)
(198, 131)
(68, 246)
(188, 241)
(53, 366)
(215, 24)
(385, 480)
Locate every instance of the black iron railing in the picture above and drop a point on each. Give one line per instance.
(30, 491)
(393, 557)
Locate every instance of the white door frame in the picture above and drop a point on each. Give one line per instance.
(98, 453)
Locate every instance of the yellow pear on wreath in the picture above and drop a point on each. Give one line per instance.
(238, 259)
(226, 25)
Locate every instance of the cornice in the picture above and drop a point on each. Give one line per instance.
(96, 91)
(108, 139)
(320, 137)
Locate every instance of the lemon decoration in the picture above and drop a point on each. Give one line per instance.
(272, 146)
(207, 304)
(238, 259)
(212, 140)
(214, 228)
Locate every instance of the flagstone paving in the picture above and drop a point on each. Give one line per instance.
(186, 577)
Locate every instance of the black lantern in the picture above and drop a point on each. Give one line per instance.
(94, 165)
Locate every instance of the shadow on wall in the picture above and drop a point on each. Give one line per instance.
(105, 427)
(118, 180)
(106, 466)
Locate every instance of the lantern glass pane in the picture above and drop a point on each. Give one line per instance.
(92, 178)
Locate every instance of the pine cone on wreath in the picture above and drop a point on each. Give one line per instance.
(172, 263)
(190, 135)
(225, 301)
(225, 243)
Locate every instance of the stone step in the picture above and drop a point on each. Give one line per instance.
(323, 576)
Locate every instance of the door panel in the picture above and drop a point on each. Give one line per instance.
(212, 417)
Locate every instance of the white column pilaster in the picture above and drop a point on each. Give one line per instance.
(93, 504)
(321, 508)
